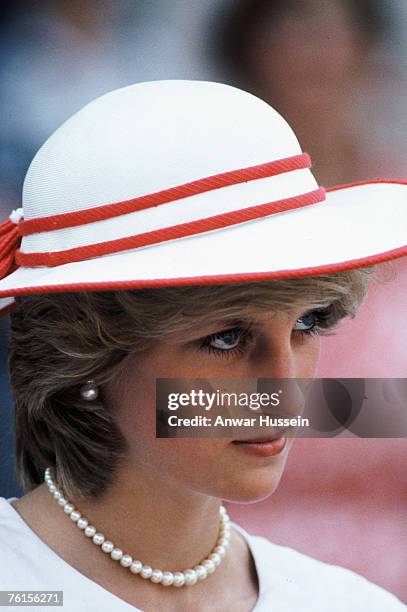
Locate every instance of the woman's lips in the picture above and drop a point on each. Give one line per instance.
(261, 447)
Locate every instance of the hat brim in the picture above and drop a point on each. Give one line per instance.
(358, 225)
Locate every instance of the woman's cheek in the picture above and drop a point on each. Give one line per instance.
(307, 356)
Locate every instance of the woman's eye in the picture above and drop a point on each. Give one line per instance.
(227, 343)
(226, 340)
(306, 323)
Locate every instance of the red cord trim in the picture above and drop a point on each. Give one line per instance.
(168, 233)
(10, 240)
(371, 182)
(218, 279)
(108, 211)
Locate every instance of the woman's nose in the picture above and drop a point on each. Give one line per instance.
(275, 360)
(277, 373)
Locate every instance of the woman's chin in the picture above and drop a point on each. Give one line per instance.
(250, 488)
(257, 471)
(251, 493)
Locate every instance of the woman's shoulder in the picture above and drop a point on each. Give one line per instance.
(28, 564)
(309, 584)
(15, 541)
(24, 558)
(9, 523)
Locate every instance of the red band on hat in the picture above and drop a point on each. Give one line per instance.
(371, 182)
(217, 181)
(169, 233)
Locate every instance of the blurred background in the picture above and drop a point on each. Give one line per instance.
(337, 71)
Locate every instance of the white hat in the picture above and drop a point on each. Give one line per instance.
(169, 183)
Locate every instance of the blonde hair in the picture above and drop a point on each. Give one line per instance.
(59, 341)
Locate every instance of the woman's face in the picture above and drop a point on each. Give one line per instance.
(275, 345)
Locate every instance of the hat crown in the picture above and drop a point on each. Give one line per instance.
(152, 136)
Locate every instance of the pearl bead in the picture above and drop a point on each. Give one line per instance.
(116, 554)
(190, 577)
(223, 542)
(57, 494)
(146, 571)
(222, 510)
(82, 523)
(156, 576)
(200, 572)
(62, 501)
(52, 488)
(126, 561)
(68, 508)
(215, 558)
(90, 531)
(107, 546)
(167, 579)
(75, 516)
(209, 566)
(89, 392)
(135, 567)
(98, 539)
(221, 550)
(179, 579)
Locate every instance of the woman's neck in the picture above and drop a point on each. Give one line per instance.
(156, 519)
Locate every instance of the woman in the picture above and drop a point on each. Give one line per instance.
(171, 229)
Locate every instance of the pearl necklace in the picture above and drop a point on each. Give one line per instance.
(186, 577)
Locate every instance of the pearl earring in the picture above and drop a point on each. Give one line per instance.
(89, 391)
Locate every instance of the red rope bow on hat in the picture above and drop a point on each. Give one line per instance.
(10, 239)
